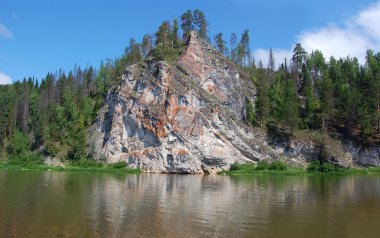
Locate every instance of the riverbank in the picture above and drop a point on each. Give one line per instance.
(81, 165)
(259, 170)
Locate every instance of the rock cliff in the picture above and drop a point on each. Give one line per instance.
(187, 117)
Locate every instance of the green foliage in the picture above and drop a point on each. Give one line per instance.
(119, 165)
(250, 113)
(317, 166)
(166, 53)
(25, 159)
(278, 165)
(235, 166)
(220, 43)
(299, 56)
(262, 165)
(87, 163)
(275, 165)
(262, 100)
(19, 144)
(289, 112)
(263, 168)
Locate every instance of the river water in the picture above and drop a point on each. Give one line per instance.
(90, 204)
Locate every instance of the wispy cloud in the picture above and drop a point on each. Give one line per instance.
(4, 32)
(5, 79)
(358, 34)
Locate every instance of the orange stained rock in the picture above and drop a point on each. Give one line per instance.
(182, 152)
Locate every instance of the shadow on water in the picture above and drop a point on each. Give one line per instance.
(48, 204)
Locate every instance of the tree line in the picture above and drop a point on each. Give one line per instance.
(338, 96)
(50, 117)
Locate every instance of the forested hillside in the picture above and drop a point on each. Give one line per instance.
(51, 116)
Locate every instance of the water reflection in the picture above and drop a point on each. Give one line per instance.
(72, 204)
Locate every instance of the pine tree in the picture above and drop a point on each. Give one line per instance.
(146, 45)
(312, 103)
(262, 100)
(200, 23)
(327, 100)
(220, 43)
(174, 34)
(233, 47)
(271, 62)
(299, 56)
(187, 24)
(250, 113)
(290, 112)
(244, 51)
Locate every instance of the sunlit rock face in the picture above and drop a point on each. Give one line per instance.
(188, 117)
(180, 118)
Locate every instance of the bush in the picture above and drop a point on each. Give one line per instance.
(25, 159)
(235, 166)
(327, 167)
(87, 163)
(262, 165)
(314, 166)
(119, 165)
(317, 166)
(278, 165)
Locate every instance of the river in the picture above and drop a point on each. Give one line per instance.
(90, 204)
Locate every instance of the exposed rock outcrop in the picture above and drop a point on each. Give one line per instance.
(180, 118)
(187, 117)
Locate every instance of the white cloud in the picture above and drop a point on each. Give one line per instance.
(337, 42)
(369, 20)
(4, 32)
(358, 34)
(5, 79)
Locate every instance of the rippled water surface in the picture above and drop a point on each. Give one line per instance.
(80, 204)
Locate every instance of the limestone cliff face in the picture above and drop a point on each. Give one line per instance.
(187, 117)
(179, 118)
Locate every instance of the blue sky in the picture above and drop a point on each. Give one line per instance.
(43, 36)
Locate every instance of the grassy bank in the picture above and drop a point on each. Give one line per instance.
(80, 165)
(279, 168)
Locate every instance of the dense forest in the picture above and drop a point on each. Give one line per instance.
(50, 117)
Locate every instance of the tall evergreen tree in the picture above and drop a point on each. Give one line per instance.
(262, 100)
(200, 23)
(233, 47)
(220, 43)
(146, 45)
(187, 24)
(299, 56)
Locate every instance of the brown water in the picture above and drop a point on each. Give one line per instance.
(80, 204)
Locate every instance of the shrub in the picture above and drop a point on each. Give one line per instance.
(87, 163)
(235, 166)
(119, 165)
(314, 166)
(25, 159)
(278, 165)
(262, 165)
(317, 166)
(327, 167)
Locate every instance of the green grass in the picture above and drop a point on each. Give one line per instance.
(80, 165)
(275, 168)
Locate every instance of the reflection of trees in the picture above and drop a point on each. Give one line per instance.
(107, 205)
